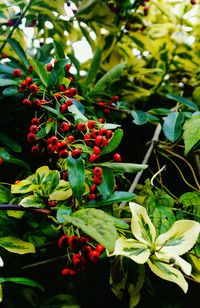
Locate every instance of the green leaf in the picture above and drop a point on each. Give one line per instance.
(57, 73)
(163, 219)
(190, 199)
(40, 71)
(172, 126)
(54, 111)
(62, 213)
(45, 130)
(50, 182)
(59, 50)
(24, 186)
(125, 167)
(6, 69)
(76, 176)
(118, 196)
(31, 201)
(139, 117)
(18, 162)
(10, 91)
(10, 142)
(106, 188)
(186, 102)
(41, 174)
(22, 280)
(95, 223)
(15, 245)
(163, 199)
(103, 83)
(8, 82)
(19, 51)
(94, 66)
(119, 223)
(114, 142)
(5, 195)
(191, 134)
(4, 154)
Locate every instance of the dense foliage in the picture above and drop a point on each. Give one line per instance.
(99, 153)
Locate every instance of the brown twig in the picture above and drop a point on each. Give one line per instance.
(17, 207)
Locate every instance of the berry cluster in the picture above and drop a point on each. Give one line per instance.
(81, 250)
(108, 106)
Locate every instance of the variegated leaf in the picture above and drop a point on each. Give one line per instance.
(180, 238)
(168, 272)
(24, 186)
(130, 248)
(141, 225)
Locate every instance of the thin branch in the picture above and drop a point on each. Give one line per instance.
(17, 207)
(29, 266)
(154, 139)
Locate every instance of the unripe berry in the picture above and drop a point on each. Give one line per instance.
(17, 72)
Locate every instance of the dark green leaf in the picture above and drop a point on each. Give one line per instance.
(19, 51)
(4, 154)
(54, 111)
(114, 142)
(40, 71)
(106, 188)
(45, 130)
(184, 101)
(57, 73)
(10, 91)
(139, 117)
(163, 219)
(5, 195)
(125, 167)
(21, 280)
(19, 162)
(59, 50)
(7, 82)
(75, 61)
(94, 66)
(10, 143)
(172, 126)
(6, 69)
(76, 175)
(118, 196)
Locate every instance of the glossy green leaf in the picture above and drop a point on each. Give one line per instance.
(10, 142)
(125, 167)
(31, 201)
(10, 91)
(8, 82)
(76, 176)
(106, 188)
(54, 111)
(5, 195)
(191, 134)
(172, 126)
(186, 102)
(59, 50)
(40, 70)
(51, 181)
(163, 219)
(118, 196)
(45, 130)
(94, 66)
(19, 51)
(62, 213)
(114, 142)
(57, 73)
(22, 280)
(4, 154)
(139, 117)
(15, 245)
(6, 69)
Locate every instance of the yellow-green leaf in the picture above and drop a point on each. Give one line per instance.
(191, 134)
(16, 245)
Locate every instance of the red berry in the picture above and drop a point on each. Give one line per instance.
(35, 149)
(21, 89)
(17, 72)
(92, 196)
(109, 134)
(96, 150)
(33, 88)
(98, 171)
(91, 124)
(42, 102)
(67, 67)
(34, 129)
(97, 180)
(81, 127)
(74, 243)
(72, 91)
(87, 138)
(117, 157)
(54, 140)
(63, 154)
(94, 256)
(27, 102)
(115, 98)
(63, 239)
(65, 176)
(76, 259)
(51, 149)
(28, 80)
(62, 87)
(61, 146)
(69, 102)
(57, 96)
(93, 158)
(102, 132)
(64, 127)
(100, 248)
(63, 108)
(35, 121)
(23, 84)
(68, 271)
(31, 137)
(1, 160)
(93, 188)
(86, 249)
(94, 133)
(98, 140)
(49, 67)
(76, 153)
(71, 78)
(52, 203)
(70, 138)
(146, 10)
(193, 2)
(101, 120)
(30, 68)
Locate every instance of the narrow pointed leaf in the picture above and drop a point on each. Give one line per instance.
(76, 175)
(94, 66)
(118, 196)
(19, 51)
(40, 71)
(125, 167)
(8, 82)
(57, 73)
(186, 102)
(22, 280)
(114, 142)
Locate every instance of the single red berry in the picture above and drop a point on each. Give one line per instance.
(69, 102)
(91, 124)
(72, 91)
(96, 150)
(35, 121)
(92, 196)
(36, 101)
(64, 127)
(66, 271)
(49, 67)
(70, 138)
(102, 132)
(17, 72)
(30, 68)
(105, 142)
(61, 146)
(76, 153)
(93, 158)
(62, 87)
(54, 140)
(93, 188)
(109, 134)
(115, 98)
(35, 149)
(94, 133)
(106, 110)
(21, 89)
(97, 180)
(94, 256)
(87, 138)
(63, 240)
(67, 67)
(86, 249)
(76, 259)
(52, 203)
(74, 243)
(100, 248)
(98, 171)
(117, 157)
(42, 102)
(193, 2)
(31, 137)
(71, 78)
(51, 149)
(81, 127)
(28, 80)
(33, 88)
(34, 129)
(63, 108)
(101, 120)
(27, 102)
(98, 140)
(63, 154)
(23, 84)
(1, 160)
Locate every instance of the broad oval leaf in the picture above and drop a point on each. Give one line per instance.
(10, 91)
(16, 245)
(191, 134)
(31, 201)
(23, 186)
(163, 219)
(106, 188)
(8, 82)
(139, 117)
(50, 182)
(172, 126)
(76, 176)
(114, 142)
